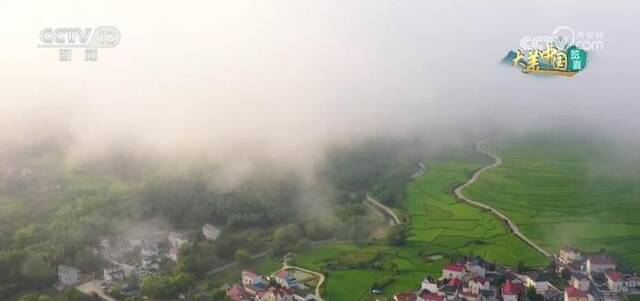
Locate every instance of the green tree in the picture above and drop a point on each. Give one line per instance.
(242, 256)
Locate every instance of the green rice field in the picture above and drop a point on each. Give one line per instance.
(567, 190)
(438, 224)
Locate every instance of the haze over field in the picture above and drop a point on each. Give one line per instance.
(237, 80)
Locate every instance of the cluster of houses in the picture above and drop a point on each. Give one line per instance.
(142, 257)
(468, 279)
(594, 278)
(282, 286)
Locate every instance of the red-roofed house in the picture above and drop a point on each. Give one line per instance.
(455, 282)
(511, 290)
(614, 281)
(469, 295)
(427, 296)
(600, 264)
(574, 294)
(276, 294)
(408, 296)
(453, 271)
(236, 293)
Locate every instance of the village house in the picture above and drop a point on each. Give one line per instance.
(429, 284)
(237, 293)
(252, 280)
(573, 294)
(406, 296)
(600, 264)
(210, 232)
(476, 266)
(539, 281)
(174, 253)
(429, 296)
(453, 271)
(614, 281)
(452, 289)
(113, 275)
(569, 255)
(276, 294)
(631, 281)
(285, 279)
(580, 281)
(68, 276)
(478, 284)
(511, 290)
(177, 239)
(149, 249)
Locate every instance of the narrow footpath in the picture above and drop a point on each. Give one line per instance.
(514, 228)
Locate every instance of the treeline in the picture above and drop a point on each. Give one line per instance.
(380, 167)
(261, 199)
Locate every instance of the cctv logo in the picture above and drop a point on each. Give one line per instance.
(101, 37)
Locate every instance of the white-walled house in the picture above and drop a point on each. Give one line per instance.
(67, 275)
(176, 239)
(451, 271)
(614, 281)
(476, 266)
(600, 264)
(569, 255)
(430, 285)
(210, 232)
(580, 282)
(478, 283)
(631, 281)
(538, 281)
(113, 275)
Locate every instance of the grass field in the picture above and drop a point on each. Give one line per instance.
(439, 224)
(567, 190)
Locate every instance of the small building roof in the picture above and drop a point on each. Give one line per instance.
(427, 296)
(479, 279)
(602, 260)
(406, 296)
(65, 269)
(573, 292)
(456, 267)
(614, 276)
(512, 288)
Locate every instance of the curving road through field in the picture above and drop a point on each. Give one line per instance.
(514, 228)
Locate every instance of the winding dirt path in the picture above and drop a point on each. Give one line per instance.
(514, 228)
(386, 210)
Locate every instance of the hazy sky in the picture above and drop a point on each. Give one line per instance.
(233, 78)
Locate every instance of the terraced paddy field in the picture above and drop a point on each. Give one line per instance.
(438, 224)
(437, 218)
(393, 269)
(566, 190)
